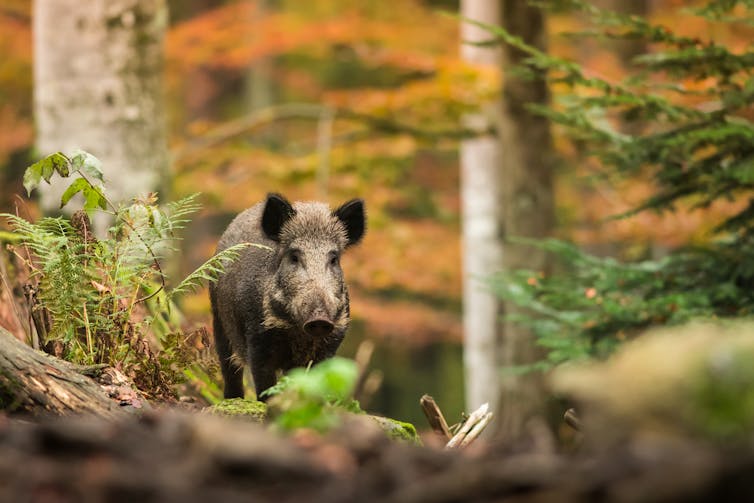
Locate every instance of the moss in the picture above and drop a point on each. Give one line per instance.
(398, 430)
(240, 407)
(257, 412)
(695, 379)
(721, 392)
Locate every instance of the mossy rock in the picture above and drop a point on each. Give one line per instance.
(257, 412)
(397, 430)
(252, 410)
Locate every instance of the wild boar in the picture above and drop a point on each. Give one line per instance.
(285, 305)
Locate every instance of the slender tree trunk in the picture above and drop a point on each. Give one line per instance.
(528, 194)
(259, 90)
(626, 50)
(98, 86)
(482, 198)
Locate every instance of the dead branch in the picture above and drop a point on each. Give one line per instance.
(572, 419)
(471, 428)
(434, 416)
(313, 112)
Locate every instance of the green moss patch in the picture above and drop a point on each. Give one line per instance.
(397, 430)
(240, 407)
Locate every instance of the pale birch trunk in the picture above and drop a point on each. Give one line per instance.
(482, 224)
(98, 86)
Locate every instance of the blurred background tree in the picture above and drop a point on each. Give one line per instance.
(682, 123)
(98, 86)
(482, 219)
(334, 99)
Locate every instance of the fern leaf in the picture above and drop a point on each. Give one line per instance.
(211, 269)
(176, 212)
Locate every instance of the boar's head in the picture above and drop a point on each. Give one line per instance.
(306, 291)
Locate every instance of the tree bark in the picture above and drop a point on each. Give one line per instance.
(482, 224)
(98, 86)
(626, 50)
(528, 208)
(36, 383)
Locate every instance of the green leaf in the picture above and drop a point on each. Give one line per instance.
(88, 165)
(93, 198)
(32, 177)
(77, 186)
(44, 169)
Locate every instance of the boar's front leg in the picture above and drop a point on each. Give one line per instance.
(264, 357)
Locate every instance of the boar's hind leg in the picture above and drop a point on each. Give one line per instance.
(231, 370)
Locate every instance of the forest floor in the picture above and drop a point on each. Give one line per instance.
(127, 449)
(171, 455)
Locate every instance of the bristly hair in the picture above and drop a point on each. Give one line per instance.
(314, 221)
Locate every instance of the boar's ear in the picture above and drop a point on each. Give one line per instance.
(277, 211)
(354, 218)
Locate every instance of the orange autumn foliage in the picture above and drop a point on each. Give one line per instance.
(407, 274)
(15, 77)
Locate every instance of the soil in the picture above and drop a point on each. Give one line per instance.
(167, 456)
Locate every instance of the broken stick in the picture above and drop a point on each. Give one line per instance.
(470, 430)
(434, 416)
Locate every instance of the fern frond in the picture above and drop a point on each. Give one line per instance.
(21, 226)
(211, 269)
(174, 216)
(178, 210)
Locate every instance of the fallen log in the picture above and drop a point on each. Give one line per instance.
(36, 383)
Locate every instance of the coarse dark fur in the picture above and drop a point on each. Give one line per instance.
(285, 306)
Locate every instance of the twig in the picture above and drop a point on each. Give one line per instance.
(39, 334)
(39, 316)
(93, 370)
(572, 419)
(367, 382)
(371, 385)
(312, 111)
(88, 331)
(477, 429)
(12, 299)
(363, 357)
(434, 416)
(249, 122)
(324, 145)
(481, 415)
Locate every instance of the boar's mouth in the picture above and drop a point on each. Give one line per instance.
(318, 327)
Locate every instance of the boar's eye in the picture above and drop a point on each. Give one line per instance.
(334, 259)
(294, 256)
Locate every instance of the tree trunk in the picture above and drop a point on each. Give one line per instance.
(98, 86)
(626, 50)
(528, 195)
(38, 384)
(481, 199)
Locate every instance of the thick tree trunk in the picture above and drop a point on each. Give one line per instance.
(481, 198)
(528, 195)
(38, 384)
(98, 86)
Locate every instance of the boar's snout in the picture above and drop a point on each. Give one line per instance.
(318, 327)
